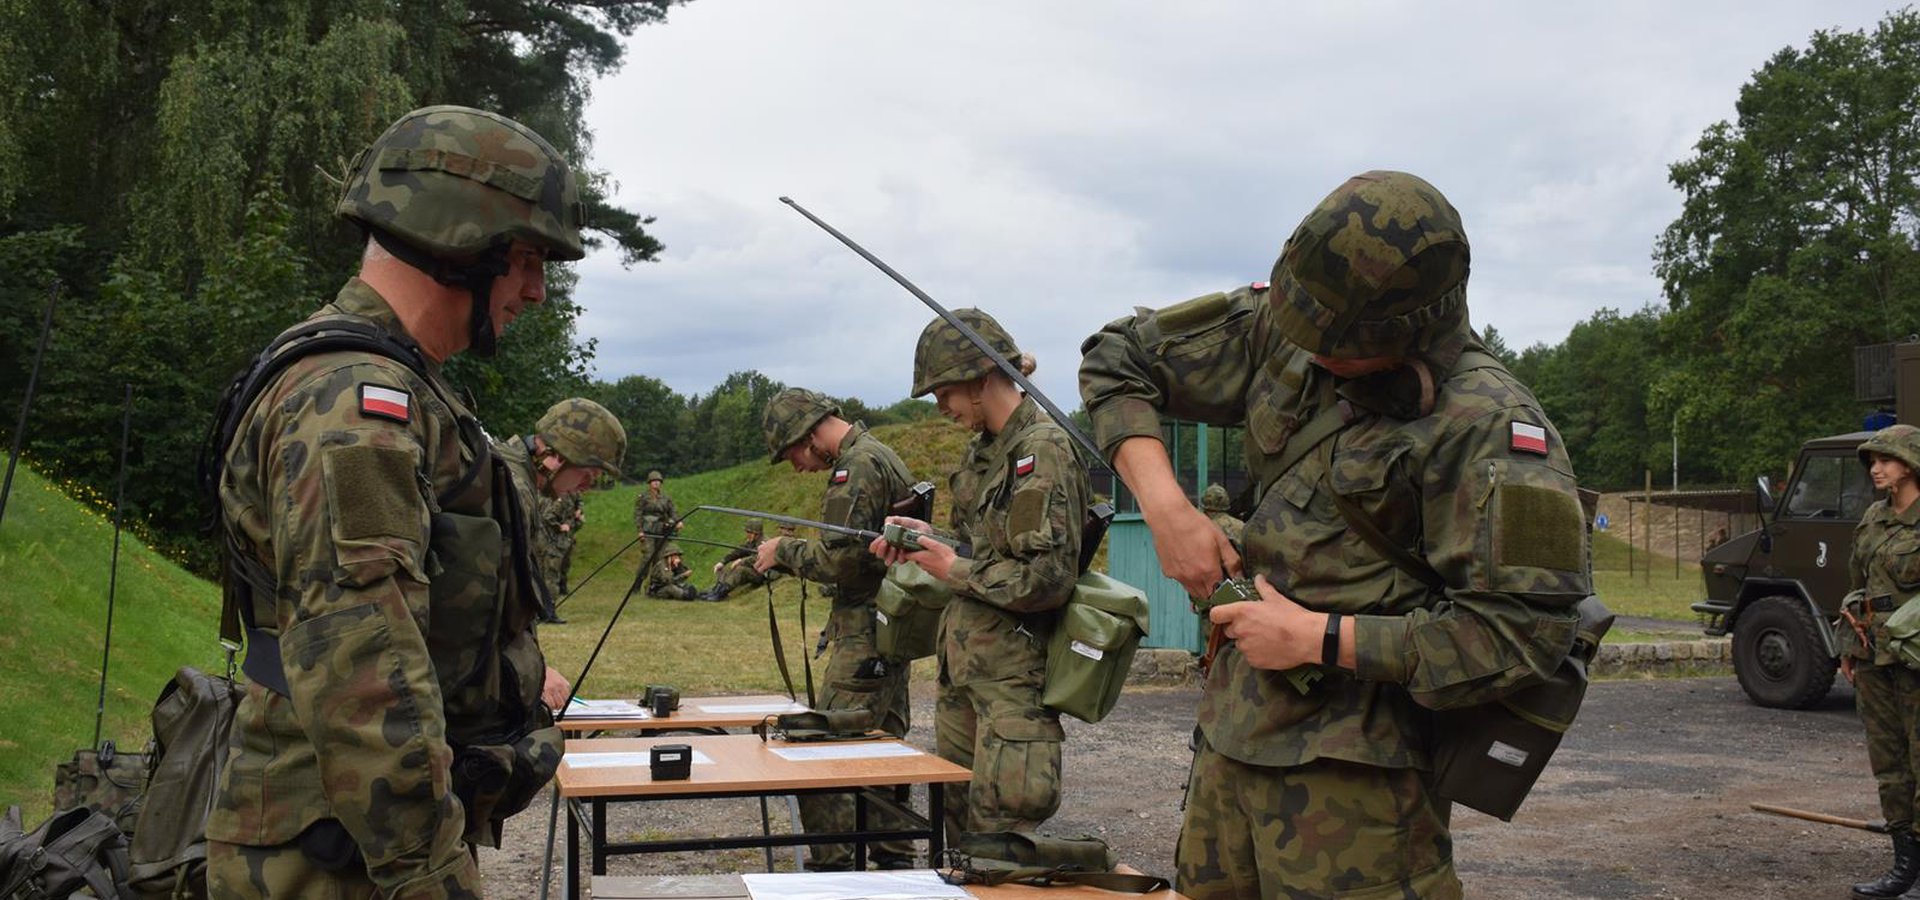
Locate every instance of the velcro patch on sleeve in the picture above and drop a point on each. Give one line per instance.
(1028, 513)
(839, 509)
(1528, 438)
(1182, 317)
(375, 492)
(385, 402)
(1540, 528)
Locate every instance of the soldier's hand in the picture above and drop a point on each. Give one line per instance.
(764, 558)
(1192, 550)
(554, 692)
(894, 555)
(1275, 633)
(1846, 667)
(716, 568)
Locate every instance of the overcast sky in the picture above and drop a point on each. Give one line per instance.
(1058, 162)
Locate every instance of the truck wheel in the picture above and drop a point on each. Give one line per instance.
(1778, 654)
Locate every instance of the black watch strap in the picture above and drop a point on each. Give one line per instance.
(1330, 644)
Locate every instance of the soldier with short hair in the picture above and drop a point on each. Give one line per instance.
(392, 719)
(1369, 403)
(864, 479)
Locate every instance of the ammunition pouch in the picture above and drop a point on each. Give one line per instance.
(1489, 756)
(1092, 646)
(826, 725)
(496, 780)
(1040, 860)
(907, 613)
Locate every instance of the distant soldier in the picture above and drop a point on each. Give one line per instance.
(864, 479)
(1213, 502)
(671, 579)
(562, 516)
(653, 516)
(736, 570)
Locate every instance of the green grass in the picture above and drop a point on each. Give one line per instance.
(1648, 590)
(55, 557)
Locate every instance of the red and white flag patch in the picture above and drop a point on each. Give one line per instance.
(385, 402)
(839, 476)
(1529, 437)
(1023, 465)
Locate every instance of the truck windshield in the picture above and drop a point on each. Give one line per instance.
(1830, 487)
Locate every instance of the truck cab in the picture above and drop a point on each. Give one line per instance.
(1777, 589)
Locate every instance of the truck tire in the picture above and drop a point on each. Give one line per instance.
(1778, 654)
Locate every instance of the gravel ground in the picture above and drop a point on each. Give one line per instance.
(1647, 798)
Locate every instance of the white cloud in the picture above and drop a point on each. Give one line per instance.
(1057, 163)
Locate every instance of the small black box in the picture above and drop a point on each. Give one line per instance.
(671, 762)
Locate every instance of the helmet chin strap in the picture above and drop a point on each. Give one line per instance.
(476, 276)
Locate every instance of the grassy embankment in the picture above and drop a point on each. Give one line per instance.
(1652, 590)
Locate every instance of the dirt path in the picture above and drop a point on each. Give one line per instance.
(1647, 798)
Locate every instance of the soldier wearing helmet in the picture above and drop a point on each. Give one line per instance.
(671, 579)
(1018, 503)
(864, 478)
(1362, 388)
(573, 443)
(736, 570)
(654, 516)
(373, 561)
(1886, 556)
(1213, 502)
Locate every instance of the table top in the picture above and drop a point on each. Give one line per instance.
(746, 711)
(611, 887)
(746, 763)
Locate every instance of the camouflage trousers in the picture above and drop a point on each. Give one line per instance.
(1888, 698)
(844, 688)
(673, 590)
(238, 872)
(1012, 743)
(740, 573)
(1328, 828)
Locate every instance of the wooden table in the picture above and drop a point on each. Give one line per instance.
(703, 714)
(745, 765)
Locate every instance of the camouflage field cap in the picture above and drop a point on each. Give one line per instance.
(1902, 442)
(945, 356)
(585, 434)
(1214, 499)
(754, 527)
(790, 416)
(454, 181)
(1379, 268)
(654, 475)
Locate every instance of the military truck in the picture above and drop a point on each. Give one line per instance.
(1777, 589)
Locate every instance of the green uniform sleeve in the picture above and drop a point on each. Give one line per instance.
(1505, 531)
(1190, 361)
(1032, 565)
(352, 543)
(859, 500)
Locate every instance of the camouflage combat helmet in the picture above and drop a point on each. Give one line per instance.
(654, 475)
(454, 181)
(1902, 442)
(754, 528)
(944, 356)
(671, 549)
(1214, 499)
(790, 416)
(585, 434)
(1379, 268)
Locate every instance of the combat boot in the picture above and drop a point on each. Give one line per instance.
(718, 592)
(1897, 880)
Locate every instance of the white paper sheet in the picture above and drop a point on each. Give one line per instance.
(581, 760)
(749, 709)
(846, 751)
(607, 709)
(912, 884)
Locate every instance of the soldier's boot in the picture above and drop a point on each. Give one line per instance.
(718, 592)
(1897, 880)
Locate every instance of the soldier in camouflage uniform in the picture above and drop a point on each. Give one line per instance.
(865, 478)
(736, 569)
(393, 717)
(1213, 502)
(654, 516)
(562, 516)
(1019, 502)
(671, 579)
(1886, 569)
(1367, 398)
(574, 441)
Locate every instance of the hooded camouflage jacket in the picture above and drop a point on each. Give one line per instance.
(370, 497)
(1480, 488)
(865, 478)
(1019, 500)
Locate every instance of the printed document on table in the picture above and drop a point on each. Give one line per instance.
(753, 709)
(580, 760)
(877, 750)
(607, 709)
(912, 884)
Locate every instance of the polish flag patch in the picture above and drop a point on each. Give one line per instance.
(1258, 286)
(1023, 465)
(386, 403)
(839, 476)
(1530, 438)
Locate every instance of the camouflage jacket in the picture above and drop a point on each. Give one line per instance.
(1886, 563)
(1019, 501)
(865, 478)
(653, 515)
(540, 539)
(664, 577)
(748, 550)
(1480, 488)
(404, 627)
(558, 511)
(1234, 528)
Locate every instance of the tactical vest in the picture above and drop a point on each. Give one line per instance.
(482, 597)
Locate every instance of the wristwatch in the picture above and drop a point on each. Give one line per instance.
(1330, 643)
